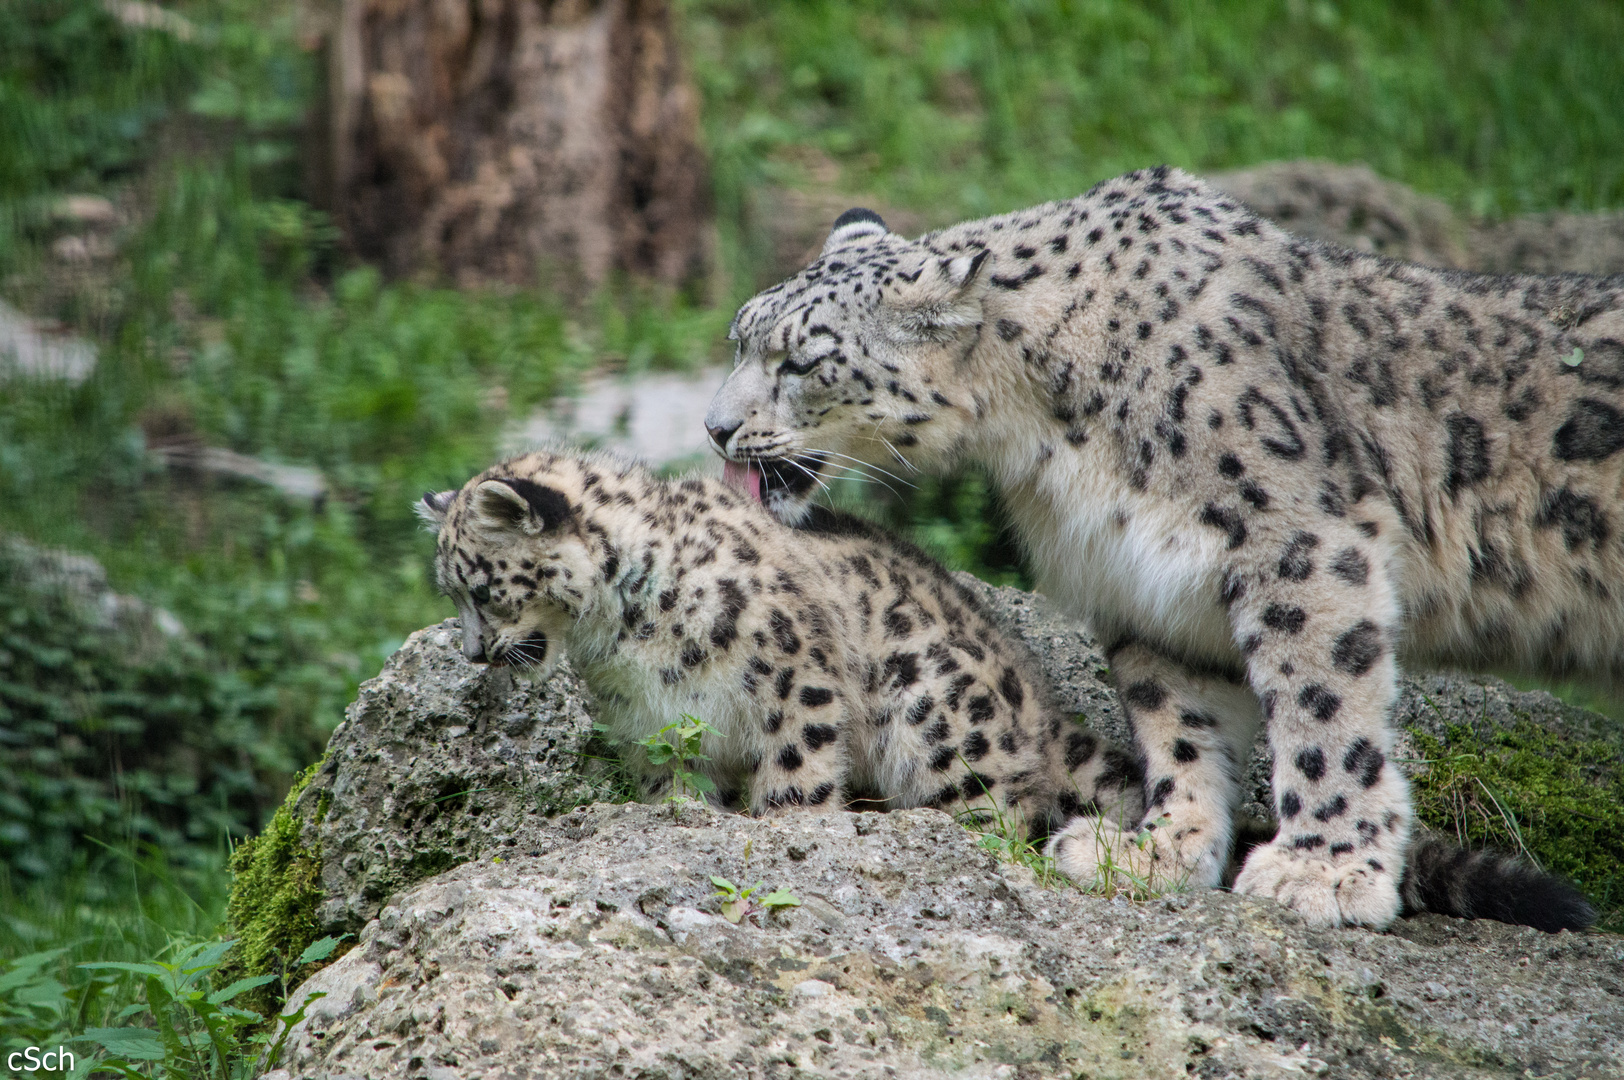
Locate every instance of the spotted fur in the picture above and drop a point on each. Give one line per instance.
(835, 663)
(1265, 469)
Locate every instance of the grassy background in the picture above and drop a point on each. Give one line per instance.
(230, 313)
(957, 108)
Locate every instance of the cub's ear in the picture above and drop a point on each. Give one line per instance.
(512, 504)
(432, 508)
(854, 225)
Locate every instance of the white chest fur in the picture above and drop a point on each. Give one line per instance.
(1129, 563)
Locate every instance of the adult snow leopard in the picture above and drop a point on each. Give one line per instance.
(1265, 469)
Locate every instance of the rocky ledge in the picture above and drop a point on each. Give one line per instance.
(506, 929)
(603, 951)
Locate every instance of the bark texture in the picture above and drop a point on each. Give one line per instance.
(499, 140)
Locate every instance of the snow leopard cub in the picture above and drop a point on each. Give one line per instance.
(834, 664)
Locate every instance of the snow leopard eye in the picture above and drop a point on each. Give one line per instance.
(480, 594)
(798, 365)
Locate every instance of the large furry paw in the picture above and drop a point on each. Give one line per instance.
(1098, 854)
(1351, 891)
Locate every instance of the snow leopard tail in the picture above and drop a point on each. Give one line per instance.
(1449, 880)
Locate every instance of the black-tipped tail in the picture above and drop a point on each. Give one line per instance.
(1448, 880)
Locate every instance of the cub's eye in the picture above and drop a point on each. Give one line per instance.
(481, 594)
(798, 365)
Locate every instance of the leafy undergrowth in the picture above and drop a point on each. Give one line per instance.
(188, 1020)
(121, 903)
(1558, 801)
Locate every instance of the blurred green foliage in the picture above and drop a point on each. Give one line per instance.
(112, 729)
(960, 108)
(118, 907)
(229, 320)
(79, 96)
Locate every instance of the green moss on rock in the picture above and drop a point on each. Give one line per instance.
(1559, 799)
(275, 891)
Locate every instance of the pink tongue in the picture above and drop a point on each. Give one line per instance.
(746, 478)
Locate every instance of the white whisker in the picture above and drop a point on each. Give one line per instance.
(816, 479)
(894, 451)
(861, 464)
(854, 472)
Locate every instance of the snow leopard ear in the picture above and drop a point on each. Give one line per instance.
(854, 225)
(943, 298)
(432, 509)
(961, 272)
(511, 504)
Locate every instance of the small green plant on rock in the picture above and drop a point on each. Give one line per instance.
(751, 903)
(1114, 878)
(1007, 836)
(740, 904)
(677, 747)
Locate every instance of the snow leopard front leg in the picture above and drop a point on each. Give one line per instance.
(1192, 733)
(1315, 615)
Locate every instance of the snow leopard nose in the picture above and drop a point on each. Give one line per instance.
(721, 433)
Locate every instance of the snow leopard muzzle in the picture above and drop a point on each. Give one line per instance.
(787, 477)
(530, 652)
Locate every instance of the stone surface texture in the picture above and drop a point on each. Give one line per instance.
(601, 951)
(439, 761)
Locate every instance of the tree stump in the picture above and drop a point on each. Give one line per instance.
(511, 140)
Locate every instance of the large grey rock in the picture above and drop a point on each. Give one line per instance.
(138, 629)
(916, 953)
(1435, 703)
(439, 761)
